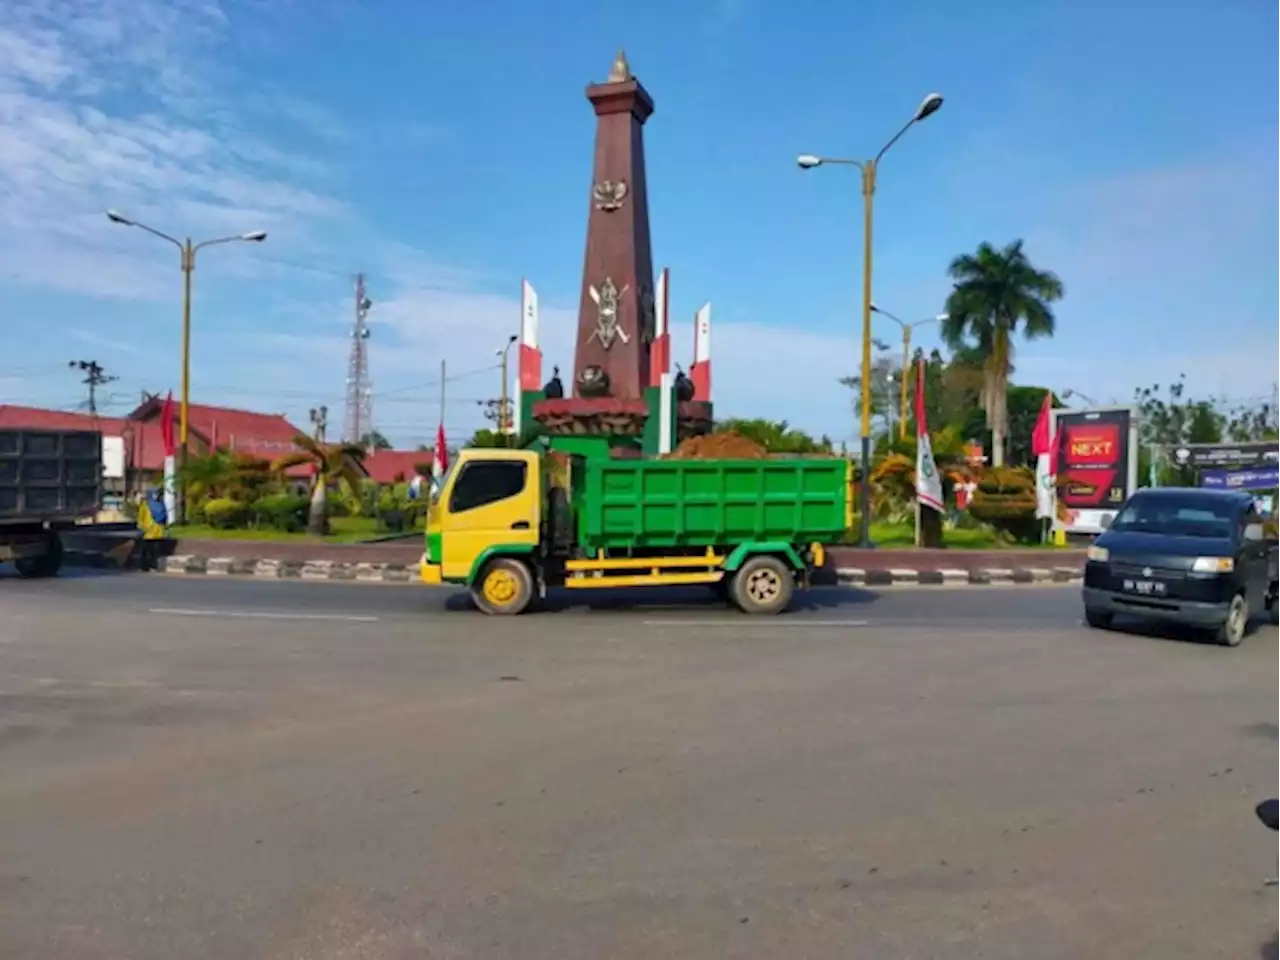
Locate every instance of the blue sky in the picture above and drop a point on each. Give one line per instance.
(444, 149)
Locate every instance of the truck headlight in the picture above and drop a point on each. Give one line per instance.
(1213, 565)
(1098, 554)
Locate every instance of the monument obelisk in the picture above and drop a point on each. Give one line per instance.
(615, 311)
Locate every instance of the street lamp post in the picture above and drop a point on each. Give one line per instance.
(504, 396)
(868, 168)
(1070, 392)
(187, 250)
(906, 359)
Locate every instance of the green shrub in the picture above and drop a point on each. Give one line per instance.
(281, 511)
(224, 513)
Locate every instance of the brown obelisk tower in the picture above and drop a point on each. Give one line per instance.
(616, 312)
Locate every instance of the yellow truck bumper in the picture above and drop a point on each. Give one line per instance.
(429, 573)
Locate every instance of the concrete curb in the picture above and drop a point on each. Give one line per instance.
(370, 572)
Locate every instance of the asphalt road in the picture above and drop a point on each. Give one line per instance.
(240, 769)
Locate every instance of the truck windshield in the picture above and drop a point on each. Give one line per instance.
(1173, 516)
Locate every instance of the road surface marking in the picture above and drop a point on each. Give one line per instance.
(253, 615)
(754, 622)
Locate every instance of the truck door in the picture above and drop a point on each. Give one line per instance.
(493, 502)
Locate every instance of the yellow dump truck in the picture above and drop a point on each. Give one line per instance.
(509, 525)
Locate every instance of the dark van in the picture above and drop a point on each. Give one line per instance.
(1198, 557)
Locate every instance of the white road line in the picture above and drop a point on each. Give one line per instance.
(755, 622)
(254, 615)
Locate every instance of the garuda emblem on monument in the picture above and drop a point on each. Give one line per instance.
(606, 298)
(609, 194)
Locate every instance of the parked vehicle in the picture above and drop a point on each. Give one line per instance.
(1197, 557)
(49, 479)
(510, 524)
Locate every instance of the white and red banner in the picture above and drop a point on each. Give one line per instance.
(700, 372)
(530, 355)
(170, 460)
(660, 351)
(440, 460)
(1042, 448)
(928, 481)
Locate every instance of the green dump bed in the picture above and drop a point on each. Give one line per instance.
(622, 504)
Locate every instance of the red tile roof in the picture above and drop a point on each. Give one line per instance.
(385, 466)
(266, 435)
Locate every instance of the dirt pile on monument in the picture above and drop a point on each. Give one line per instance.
(719, 446)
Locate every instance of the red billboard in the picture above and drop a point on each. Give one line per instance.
(1095, 467)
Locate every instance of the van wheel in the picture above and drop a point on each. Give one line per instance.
(1098, 619)
(763, 585)
(504, 587)
(1232, 630)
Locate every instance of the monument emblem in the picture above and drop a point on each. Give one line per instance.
(606, 299)
(609, 194)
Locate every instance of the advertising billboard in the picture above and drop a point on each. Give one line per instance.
(1096, 465)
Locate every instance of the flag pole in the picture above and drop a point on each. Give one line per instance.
(442, 385)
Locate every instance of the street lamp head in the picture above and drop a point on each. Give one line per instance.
(807, 161)
(257, 236)
(874, 307)
(512, 339)
(929, 106)
(942, 317)
(115, 216)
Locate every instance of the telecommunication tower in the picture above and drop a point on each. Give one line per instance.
(359, 412)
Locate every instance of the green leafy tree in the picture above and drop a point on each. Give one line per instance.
(1169, 419)
(484, 437)
(374, 440)
(995, 293)
(330, 463)
(776, 436)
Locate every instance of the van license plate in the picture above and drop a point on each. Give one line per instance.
(1147, 588)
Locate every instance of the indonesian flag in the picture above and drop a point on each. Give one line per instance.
(928, 483)
(1042, 448)
(440, 462)
(166, 426)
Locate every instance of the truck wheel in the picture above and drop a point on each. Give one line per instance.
(763, 585)
(1232, 630)
(504, 587)
(46, 565)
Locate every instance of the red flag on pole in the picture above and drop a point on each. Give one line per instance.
(928, 481)
(1040, 438)
(440, 463)
(166, 426)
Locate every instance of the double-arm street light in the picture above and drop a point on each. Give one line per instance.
(504, 400)
(187, 249)
(927, 108)
(906, 359)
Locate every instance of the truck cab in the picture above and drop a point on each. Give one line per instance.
(490, 503)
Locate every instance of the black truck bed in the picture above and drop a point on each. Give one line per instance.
(49, 476)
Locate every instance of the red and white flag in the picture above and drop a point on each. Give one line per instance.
(928, 482)
(1042, 448)
(166, 426)
(440, 462)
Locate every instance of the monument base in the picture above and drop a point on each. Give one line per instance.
(609, 427)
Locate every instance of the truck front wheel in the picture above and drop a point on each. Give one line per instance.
(504, 587)
(46, 565)
(763, 585)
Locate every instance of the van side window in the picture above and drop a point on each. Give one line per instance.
(483, 482)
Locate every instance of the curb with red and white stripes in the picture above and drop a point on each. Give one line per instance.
(373, 572)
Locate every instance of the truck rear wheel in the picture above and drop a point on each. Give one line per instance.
(504, 587)
(763, 585)
(46, 565)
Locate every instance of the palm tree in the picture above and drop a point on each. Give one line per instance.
(329, 462)
(995, 291)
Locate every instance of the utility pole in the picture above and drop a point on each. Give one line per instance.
(358, 419)
(93, 379)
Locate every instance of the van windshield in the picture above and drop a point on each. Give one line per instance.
(1177, 517)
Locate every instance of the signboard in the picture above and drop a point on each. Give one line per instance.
(113, 458)
(1255, 478)
(1096, 466)
(1202, 455)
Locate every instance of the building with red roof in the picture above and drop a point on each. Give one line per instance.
(397, 466)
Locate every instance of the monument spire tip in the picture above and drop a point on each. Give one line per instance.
(620, 72)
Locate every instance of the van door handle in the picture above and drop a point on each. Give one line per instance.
(520, 525)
